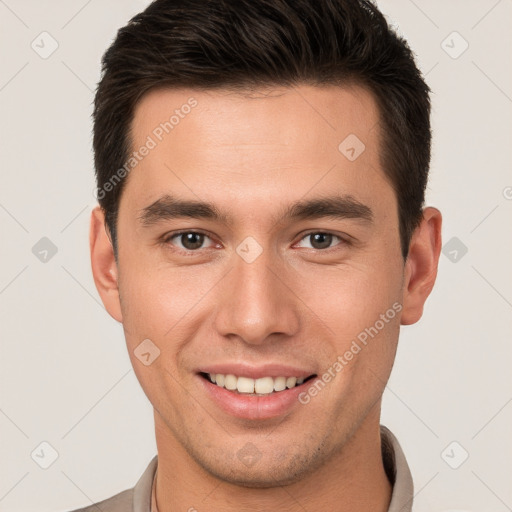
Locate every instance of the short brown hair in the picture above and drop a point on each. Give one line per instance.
(209, 44)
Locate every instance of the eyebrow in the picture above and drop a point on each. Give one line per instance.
(335, 207)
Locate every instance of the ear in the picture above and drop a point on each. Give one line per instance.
(104, 266)
(421, 265)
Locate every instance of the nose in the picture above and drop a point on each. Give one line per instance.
(256, 303)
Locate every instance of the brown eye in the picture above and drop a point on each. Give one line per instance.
(320, 240)
(188, 240)
(192, 241)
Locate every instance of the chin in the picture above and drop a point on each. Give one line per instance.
(279, 471)
(264, 479)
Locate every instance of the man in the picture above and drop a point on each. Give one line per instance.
(262, 235)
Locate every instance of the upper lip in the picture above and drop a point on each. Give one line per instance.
(256, 372)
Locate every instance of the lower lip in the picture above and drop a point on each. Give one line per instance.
(254, 407)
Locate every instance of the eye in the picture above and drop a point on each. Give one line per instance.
(320, 240)
(188, 240)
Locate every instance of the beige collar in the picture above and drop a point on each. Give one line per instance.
(154, 507)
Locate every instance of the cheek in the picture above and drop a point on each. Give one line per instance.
(160, 305)
(359, 308)
(348, 300)
(159, 301)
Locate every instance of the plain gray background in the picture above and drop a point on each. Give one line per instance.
(66, 378)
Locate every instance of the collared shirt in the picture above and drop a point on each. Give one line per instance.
(138, 498)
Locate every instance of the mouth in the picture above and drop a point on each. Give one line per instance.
(255, 394)
(260, 387)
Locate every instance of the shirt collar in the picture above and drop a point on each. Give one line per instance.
(398, 472)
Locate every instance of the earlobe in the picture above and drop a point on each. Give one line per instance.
(421, 265)
(103, 263)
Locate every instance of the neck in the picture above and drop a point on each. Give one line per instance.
(352, 480)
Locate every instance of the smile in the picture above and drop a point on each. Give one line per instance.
(258, 387)
(250, 392)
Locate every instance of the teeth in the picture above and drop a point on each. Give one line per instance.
(279, 383)
(245, 385)
(290, 382)
(262, 386)
(230, 382)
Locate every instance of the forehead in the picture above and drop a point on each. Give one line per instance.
(302, 111)
(255, 144)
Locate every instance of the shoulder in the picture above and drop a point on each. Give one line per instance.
(121, 502)
(137, 498)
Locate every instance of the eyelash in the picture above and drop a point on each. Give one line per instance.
(188, 252)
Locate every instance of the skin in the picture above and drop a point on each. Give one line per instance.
(253, 155)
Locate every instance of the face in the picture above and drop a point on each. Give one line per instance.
(291, 262)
